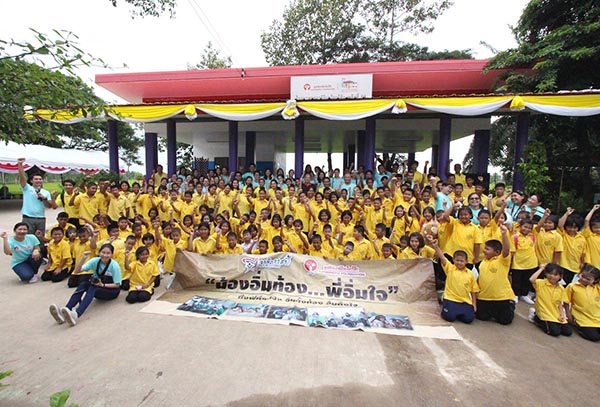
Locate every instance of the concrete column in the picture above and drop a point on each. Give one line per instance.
(444, 146)
(151, 144)
(113, 147)
(250, 147)
(481, 151)
(520, 143)
(299, 147)
(360, 148)
(370, 130)
(233, 146)
(171, 147)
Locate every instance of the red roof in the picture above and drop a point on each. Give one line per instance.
(390, 79)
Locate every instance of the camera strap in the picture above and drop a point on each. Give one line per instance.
(103, 271)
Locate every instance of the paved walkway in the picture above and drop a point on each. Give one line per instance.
(117, 356)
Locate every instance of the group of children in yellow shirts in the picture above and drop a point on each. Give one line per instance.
(395, 221)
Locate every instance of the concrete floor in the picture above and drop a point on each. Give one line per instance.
(117, 356)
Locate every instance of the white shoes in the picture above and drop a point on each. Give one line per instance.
(56, 314)
(528, 299)
(531, 316)
(34, 279)
(516, 299)
(69, 315)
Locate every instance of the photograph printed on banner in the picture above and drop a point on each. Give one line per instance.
(389, 321)
(207, 306)
(287, 313)
(248, 310)
(340, 318)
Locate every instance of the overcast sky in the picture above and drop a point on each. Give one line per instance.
(164, 44)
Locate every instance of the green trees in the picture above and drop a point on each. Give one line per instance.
(338, 31)
(211, 58)
(559, 39)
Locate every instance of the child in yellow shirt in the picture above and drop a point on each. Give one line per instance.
(143, 274)
(232, 247)
(584, 295)
(59, 257)
(550, 313)
(572, 258)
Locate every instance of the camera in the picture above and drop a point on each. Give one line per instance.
(94, 280)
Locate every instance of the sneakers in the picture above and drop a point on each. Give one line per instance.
(531, 316)
(55, 312)
(516, 299)
(34, 279)
(527, 299)
(69, 315)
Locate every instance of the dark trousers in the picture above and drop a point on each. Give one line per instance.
(502, 312)
(520, 281)
(553, 328)
(49, 275)
(125, 285)
(589, 333)
(452, 311)
(86, 292)
(77, 279)
(138, 296)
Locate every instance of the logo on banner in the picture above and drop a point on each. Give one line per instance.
(310, 266)
(256, 263)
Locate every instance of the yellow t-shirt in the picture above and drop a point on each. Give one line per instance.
(302, 213)
(72, 210)
(226, 202)
(364, 249)
(372, 218)
(425, 252)
(462, 237)
(237, 249)
(142, 273)
(592, 255)
(524, 257)
(58, 252)
(585, 304)
(379, 242)
(490, 232)
(346, 231)
(548, 300)
(118, 207)
(323, 252)
(77, 249)
(87, 205)
(208, 246)
(574, 248)
(546, 243)
(493, 279)
(459, 284)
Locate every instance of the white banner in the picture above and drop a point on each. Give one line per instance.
(331, 87)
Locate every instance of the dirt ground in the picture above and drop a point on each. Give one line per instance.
(117, 356)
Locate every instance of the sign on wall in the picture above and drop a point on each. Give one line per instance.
(331, 87)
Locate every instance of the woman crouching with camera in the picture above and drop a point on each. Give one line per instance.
(104, 284)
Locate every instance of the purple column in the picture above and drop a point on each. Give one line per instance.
(370, 130)
(444, 146)
(360, 149)
(233, 146)
(151, 144)
(113, 147)
(299, 146)
(520, 143)
(481, 151)
(435, 148)
(171, 147)
(250, 148)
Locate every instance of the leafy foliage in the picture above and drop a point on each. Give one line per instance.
(60, 399)
(4, 375)
(535, 168)
(152, 8)
(338, 31)
(211, 58)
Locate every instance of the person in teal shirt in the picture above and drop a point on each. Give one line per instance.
(25, 251)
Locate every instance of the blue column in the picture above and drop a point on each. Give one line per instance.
(113, 147)
(171, 147)
(411, 157)
(481, 151)
(299, 146)
(360, 149)
(520, 143)
(369, 156)
(444, 146)
(435, 148)
(233, 146)
(250, 148)
(151, 143)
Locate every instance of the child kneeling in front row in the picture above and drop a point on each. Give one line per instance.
(143, 273)
(550, 313)
(584, 296)
(459, 301)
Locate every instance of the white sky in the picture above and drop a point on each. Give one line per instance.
(164, 44)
